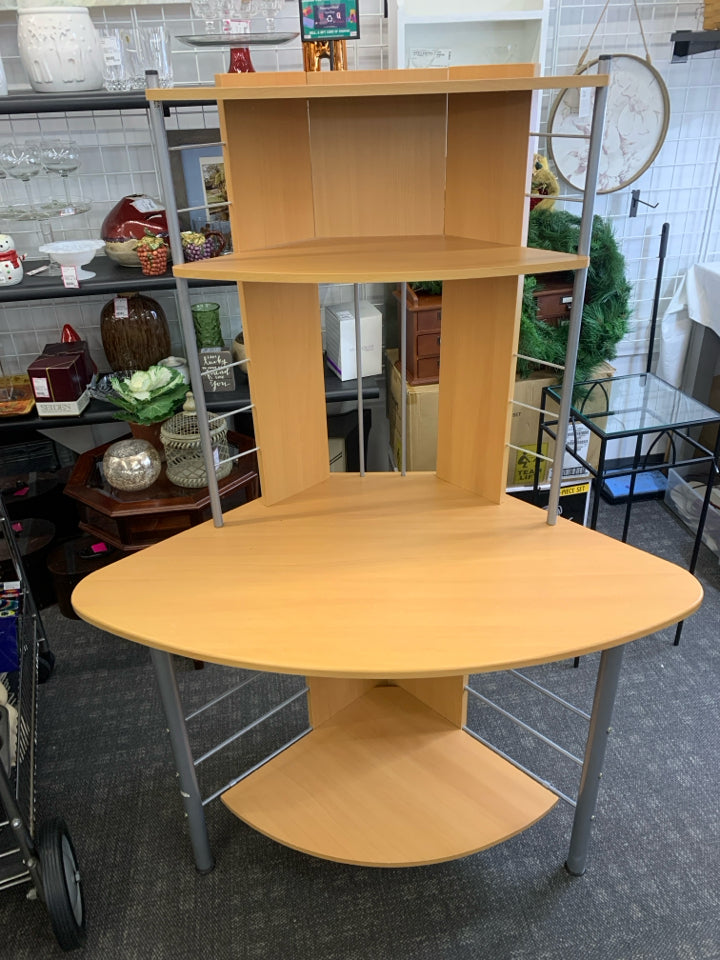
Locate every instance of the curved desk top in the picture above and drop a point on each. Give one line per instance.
(386, 576)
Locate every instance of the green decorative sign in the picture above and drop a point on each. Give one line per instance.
(329, 20)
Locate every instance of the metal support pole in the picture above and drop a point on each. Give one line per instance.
(403, 378)
(162, 159)
(189, 790)
(603, 702)
(358, 373)
(579, 283)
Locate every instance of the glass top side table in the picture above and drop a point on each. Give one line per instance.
(639, 403)
(643, 406)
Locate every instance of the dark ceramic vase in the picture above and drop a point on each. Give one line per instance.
(138, 340)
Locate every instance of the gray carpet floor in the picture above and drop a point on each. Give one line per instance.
(651, 892)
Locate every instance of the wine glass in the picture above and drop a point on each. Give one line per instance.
(21, 161)
(208, 10)
(270, 9)
(62, 156)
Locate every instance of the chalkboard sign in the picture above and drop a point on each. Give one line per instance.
(329, 20)
(216, 376)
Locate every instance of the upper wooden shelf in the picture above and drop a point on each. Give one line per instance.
(380, 259)
(367, 83)
(386, 576)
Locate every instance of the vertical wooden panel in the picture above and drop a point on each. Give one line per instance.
(378, 165)
(328, 695)
(445, 695)
(480, 326)
(267, 168)
(488, 166)
(281, 324)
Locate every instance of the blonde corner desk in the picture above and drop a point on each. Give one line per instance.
(384, 590)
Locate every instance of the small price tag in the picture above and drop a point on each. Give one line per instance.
(41, 388)
(69, 276)
(120, 308)
(235, 26)
(420, 57)
(99, 547)
(585, 104)
(112, 54)
(146, 205)
(22, 492)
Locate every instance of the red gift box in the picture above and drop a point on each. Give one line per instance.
(58, 377)
(75, 346)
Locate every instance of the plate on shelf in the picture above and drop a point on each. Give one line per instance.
(102, 389)
(237, 39)
(64, 208)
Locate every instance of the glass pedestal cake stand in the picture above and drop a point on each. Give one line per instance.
(239, 43)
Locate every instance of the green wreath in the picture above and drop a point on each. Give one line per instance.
(607, 298)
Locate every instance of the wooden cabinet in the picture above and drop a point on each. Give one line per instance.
(424, 313)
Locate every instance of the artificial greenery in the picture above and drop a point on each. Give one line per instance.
(607, 298)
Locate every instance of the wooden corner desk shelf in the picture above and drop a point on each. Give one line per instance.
(385, 591)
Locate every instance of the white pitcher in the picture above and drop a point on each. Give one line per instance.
(60, 49)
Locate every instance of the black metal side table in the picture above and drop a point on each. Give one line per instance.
(643, 406)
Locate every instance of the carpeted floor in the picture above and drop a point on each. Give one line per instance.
(651, 892)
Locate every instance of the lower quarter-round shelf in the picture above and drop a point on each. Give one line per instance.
(388, 782)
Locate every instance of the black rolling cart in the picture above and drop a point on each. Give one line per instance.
(44, 860)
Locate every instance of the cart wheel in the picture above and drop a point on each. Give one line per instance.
(46, 665)
(62, 888)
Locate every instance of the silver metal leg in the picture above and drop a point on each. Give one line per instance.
(189, 791)
(603, 702)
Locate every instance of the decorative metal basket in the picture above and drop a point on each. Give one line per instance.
(180, 436)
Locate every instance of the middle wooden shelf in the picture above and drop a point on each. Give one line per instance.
(382, 259)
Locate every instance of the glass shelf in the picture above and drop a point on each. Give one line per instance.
(635, 404)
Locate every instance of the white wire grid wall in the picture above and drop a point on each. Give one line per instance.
(684, 180)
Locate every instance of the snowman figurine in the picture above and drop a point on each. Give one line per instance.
(11, 271)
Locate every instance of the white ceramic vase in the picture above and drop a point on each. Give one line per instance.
(60, 49)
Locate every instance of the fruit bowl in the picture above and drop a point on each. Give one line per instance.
(73, 253)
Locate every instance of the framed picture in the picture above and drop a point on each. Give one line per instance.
(329, 20)
(199, 180)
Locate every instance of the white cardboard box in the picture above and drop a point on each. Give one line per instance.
(340, 339)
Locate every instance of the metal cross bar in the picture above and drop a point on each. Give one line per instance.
(250, 726)
(222, 696)
(196, 146)
(261, 763)
(533, 453)
(543, 363)
(526, 726)
(549, 693)
(530, 773)
(231, 413)
(236, 456)
(561, 136)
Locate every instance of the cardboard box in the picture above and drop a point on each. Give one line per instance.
(340, 339)
(524, 430)
(58, 378)
(422, 424)
(422, 418)
(573, 504)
